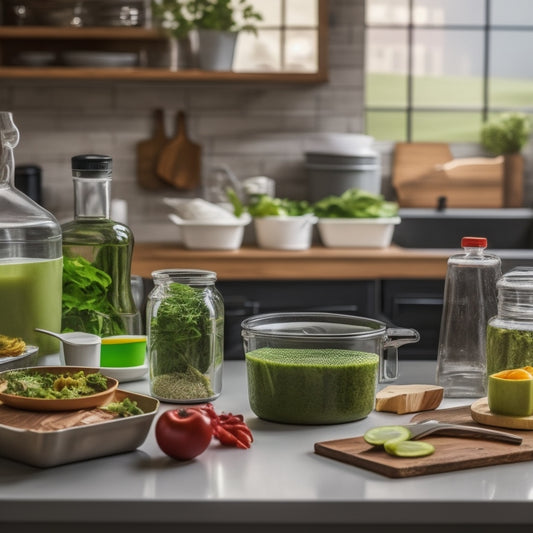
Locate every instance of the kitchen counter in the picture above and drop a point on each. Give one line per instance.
(249, 263)
(279, 484)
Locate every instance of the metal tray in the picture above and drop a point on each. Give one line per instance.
(55, 447)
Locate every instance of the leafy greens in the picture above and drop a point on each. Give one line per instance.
(85, 302)
(262, 205)
(355, 203)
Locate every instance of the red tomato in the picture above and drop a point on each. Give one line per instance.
(183, 433)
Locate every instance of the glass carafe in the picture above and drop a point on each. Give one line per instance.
(97, 253)
(30, 256)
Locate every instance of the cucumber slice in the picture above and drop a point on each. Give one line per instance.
(378, 436)
(409, 448)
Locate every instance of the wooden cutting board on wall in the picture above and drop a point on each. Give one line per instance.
(451, 453)
(148, 154)
(180, 159)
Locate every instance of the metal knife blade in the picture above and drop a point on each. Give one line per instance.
(427, 427)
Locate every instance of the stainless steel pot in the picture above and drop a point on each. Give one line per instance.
(329, 330)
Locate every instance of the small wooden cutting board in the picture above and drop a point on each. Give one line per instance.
(451, 453)
(148, 155)
(180, 159)
(403, 399)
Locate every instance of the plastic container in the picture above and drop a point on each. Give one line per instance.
(318, 368)
(97, 253)
(469, 303)
(30, 256)
(185, 326)
(510, 332)
(123, 351)
(285, 232)
(357, 232)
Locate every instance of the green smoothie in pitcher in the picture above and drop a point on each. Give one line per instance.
(30, 297)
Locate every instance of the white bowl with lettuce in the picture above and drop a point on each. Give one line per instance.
(207, 226)
(356, 219)
(282, 224)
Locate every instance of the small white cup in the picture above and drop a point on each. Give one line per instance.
(80, 349)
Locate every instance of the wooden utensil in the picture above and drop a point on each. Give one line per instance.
(180, 159)
(148, 155)
(451, 453)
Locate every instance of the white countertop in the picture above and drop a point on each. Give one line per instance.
(280, 482)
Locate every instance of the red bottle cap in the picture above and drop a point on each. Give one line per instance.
(473, 242)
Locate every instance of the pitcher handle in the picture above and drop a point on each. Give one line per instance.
(388, 364)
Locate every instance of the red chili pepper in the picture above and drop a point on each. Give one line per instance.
(229, 429)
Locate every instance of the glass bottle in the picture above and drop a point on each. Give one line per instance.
(30, 256)
(97, 253)
(469, 303)
(510, 332)
(185, 328)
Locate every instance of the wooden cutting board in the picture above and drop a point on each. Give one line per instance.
(451, 453)
(148, 154)
(180, 159)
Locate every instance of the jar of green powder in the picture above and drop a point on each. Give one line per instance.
(510, 332)
(185, 330)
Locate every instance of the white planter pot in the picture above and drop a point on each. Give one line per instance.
(285, 233)
(216, 49)
(357, 232)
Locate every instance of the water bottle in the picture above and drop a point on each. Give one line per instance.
(470, 300)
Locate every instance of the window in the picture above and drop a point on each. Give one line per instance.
(437, 69)
(287, 39)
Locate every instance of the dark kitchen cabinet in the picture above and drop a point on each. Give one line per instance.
(246, 298)
(415, 304)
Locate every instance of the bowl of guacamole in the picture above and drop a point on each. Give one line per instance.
(313, 368)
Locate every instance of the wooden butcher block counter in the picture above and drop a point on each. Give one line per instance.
(251, 263)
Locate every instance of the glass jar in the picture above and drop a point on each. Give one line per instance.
(185, 328)
(510, 332)
(97, 254)
(30, 256)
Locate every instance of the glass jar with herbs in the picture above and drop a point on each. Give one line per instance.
(185, 328)
(510, 332)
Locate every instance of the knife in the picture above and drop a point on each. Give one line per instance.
(427, 427)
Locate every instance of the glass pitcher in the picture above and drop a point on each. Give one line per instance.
(30, 256)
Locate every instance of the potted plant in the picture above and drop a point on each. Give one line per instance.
(506, 135)
(217, 24)
(175, 19)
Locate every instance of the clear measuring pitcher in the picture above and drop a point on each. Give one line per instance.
(30, 256)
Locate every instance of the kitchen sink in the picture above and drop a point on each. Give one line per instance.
(505, 229)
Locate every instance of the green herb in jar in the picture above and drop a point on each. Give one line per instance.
(508, 348)
(180, 343)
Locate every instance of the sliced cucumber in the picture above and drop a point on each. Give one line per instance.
(378, 436)
(409, 448)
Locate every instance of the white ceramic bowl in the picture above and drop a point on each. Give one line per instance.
(211, 235)
(284, 233)
(357, 232)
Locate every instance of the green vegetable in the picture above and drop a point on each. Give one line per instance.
(506, 134)
(378, 436)
(86, 304)
(47, 385)
(355, 203)
(262, 205)
(408, 448)
(395, 441)
(181, 331)
(238, 208)
(124, 408)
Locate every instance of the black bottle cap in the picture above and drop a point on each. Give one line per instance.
(92, 162)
